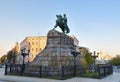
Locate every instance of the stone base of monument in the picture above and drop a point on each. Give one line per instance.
(56, 58)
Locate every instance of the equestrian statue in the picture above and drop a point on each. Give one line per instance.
(62, 23)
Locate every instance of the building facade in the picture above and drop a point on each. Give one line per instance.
(35, 44)
(76, 41)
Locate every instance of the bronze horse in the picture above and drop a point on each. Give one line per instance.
(62, 23)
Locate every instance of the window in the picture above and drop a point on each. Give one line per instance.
(36, 50)
(36, 43)
(32, 43)
(29, 43)
(33, 49)
(40, 49)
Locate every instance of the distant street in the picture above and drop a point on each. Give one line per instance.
(117, 70)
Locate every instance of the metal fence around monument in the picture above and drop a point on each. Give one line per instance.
(13, 69)
(104, 70)
(61, 72)
(58, 72)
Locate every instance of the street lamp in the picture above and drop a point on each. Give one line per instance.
(24, 54)
(95, 55)
(75, 54)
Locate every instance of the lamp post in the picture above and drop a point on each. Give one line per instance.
(75, 54)
(95, 55)
(24, 54)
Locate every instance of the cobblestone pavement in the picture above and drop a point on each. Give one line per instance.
(115, 77)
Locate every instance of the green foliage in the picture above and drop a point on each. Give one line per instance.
(11, 56)
(89, 75)
(2, 59)
(88, 59)
(115, 61)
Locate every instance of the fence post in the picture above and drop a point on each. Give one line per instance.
(17, 67)
(108, 70)
(104, 71)
(6, 69)
(111, 69)
(21, 70)
(62, 70)
(10, 68)
(98, 72)
(40, 71)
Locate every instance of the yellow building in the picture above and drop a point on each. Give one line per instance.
(35, 44)
(17, 47)
(107, 57)
(103, 57)
(76, 41)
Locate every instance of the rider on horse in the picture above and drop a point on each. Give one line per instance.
(62, 23)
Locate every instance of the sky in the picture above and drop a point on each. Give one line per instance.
(95, 23)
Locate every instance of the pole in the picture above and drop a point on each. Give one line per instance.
(94, 59)
(6, 69)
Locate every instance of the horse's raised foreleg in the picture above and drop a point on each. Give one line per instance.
(55, 25)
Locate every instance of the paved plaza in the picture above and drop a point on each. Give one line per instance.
(7, 78)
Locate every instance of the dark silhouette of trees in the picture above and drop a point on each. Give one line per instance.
(115, 60)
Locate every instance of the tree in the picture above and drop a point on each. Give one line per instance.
(11, 55)
(88, 59)
(115, 61)
(3, 58)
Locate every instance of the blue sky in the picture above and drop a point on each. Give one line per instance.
(96, 23)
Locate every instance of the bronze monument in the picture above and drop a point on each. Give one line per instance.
(62, 23)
